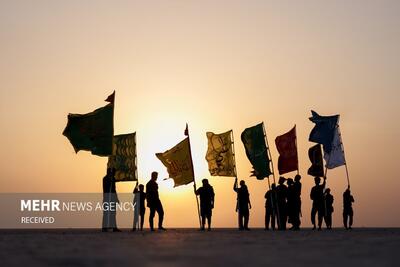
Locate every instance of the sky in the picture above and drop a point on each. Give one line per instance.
(217, 65)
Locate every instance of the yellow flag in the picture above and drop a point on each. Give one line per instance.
(124, 157)
(220, 155)
(179, 163)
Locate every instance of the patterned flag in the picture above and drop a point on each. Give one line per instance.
(317, 164)
(324, 130)
(93, 131)
(179, 163)
(124, 157)
(220, 154)
(253, 139)
(336, 157)
(287, 148)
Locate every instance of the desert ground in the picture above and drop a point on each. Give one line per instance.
(190, 247)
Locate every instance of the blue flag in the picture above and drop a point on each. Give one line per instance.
(324, 130)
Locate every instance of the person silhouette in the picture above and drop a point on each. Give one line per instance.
(206, 193)
(282, 192)
(270, 207)
(318, 205)
(329, 208)
(154, 202)
(291, 203)
(348, 200)
(110, 199)
(140, 208)
(297, 202)
(243, 204)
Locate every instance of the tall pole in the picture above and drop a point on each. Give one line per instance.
(233, 153)
(273, 176)
(345, 161)
(194, 180)
(297, 150)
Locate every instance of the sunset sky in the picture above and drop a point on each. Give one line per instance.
(217, 65)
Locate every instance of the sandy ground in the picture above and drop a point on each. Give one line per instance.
(190, 247)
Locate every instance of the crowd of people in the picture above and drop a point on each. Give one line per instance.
(282, 205)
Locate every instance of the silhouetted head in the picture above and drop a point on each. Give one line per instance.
(242, 183)
(281, 180)
(317, 180)
(273, 186)
(141, 187)
(328, 190)
(205, 182)
(289, 181)
(154, 176)
(297, 178)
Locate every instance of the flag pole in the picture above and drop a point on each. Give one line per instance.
(342, 147)
(194, 179)
(273, 176)
(233, 154)
(297, 150)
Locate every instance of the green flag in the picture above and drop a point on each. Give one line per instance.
(93, 131)
(256, 150)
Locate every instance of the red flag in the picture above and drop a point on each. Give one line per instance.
(111, 98)
(287, 148)
(186, 130)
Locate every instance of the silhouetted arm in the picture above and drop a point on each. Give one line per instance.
(235, 187)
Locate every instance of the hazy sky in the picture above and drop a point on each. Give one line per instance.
(217, 65)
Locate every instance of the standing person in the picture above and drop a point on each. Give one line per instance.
(206, 193)
(318, 205)
(243, 204)
(110, 199)
(291, 199)
(282, 192)
(140, 208)
(270, 207)
(348, 200)
(297, 202)
(329, 208)
(154, 203)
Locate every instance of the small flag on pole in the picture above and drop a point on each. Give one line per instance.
(336, 157)
(93, 131)
(287, 148)
(179, 163)
(123, 159)
(324, 130)
(220, 154)
(253, 139)
(317, 164)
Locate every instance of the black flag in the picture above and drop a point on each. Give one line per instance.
(317, 164)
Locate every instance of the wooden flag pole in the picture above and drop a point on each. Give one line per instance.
(345, 161)
(194, 179)
(273, 175)
(297, 150)
(233, 154)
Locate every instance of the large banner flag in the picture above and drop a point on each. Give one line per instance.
(179, 163)
(124, 157)
(93, 131)
(317, 164)
(220, 154)
(287, 148)
(324, 130)
(336, 157)
(253, 139)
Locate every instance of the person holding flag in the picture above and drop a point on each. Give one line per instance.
(206, 193)
(243, 204)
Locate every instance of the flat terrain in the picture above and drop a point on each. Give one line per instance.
(190, 247)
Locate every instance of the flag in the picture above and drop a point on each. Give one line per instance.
(179, 163)
(123, 159)
(220, 154)
(256, 150)
(336, 157)
(111, 98)
(287, 148)
(323, 130)
(93, 131)
(317, 164)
